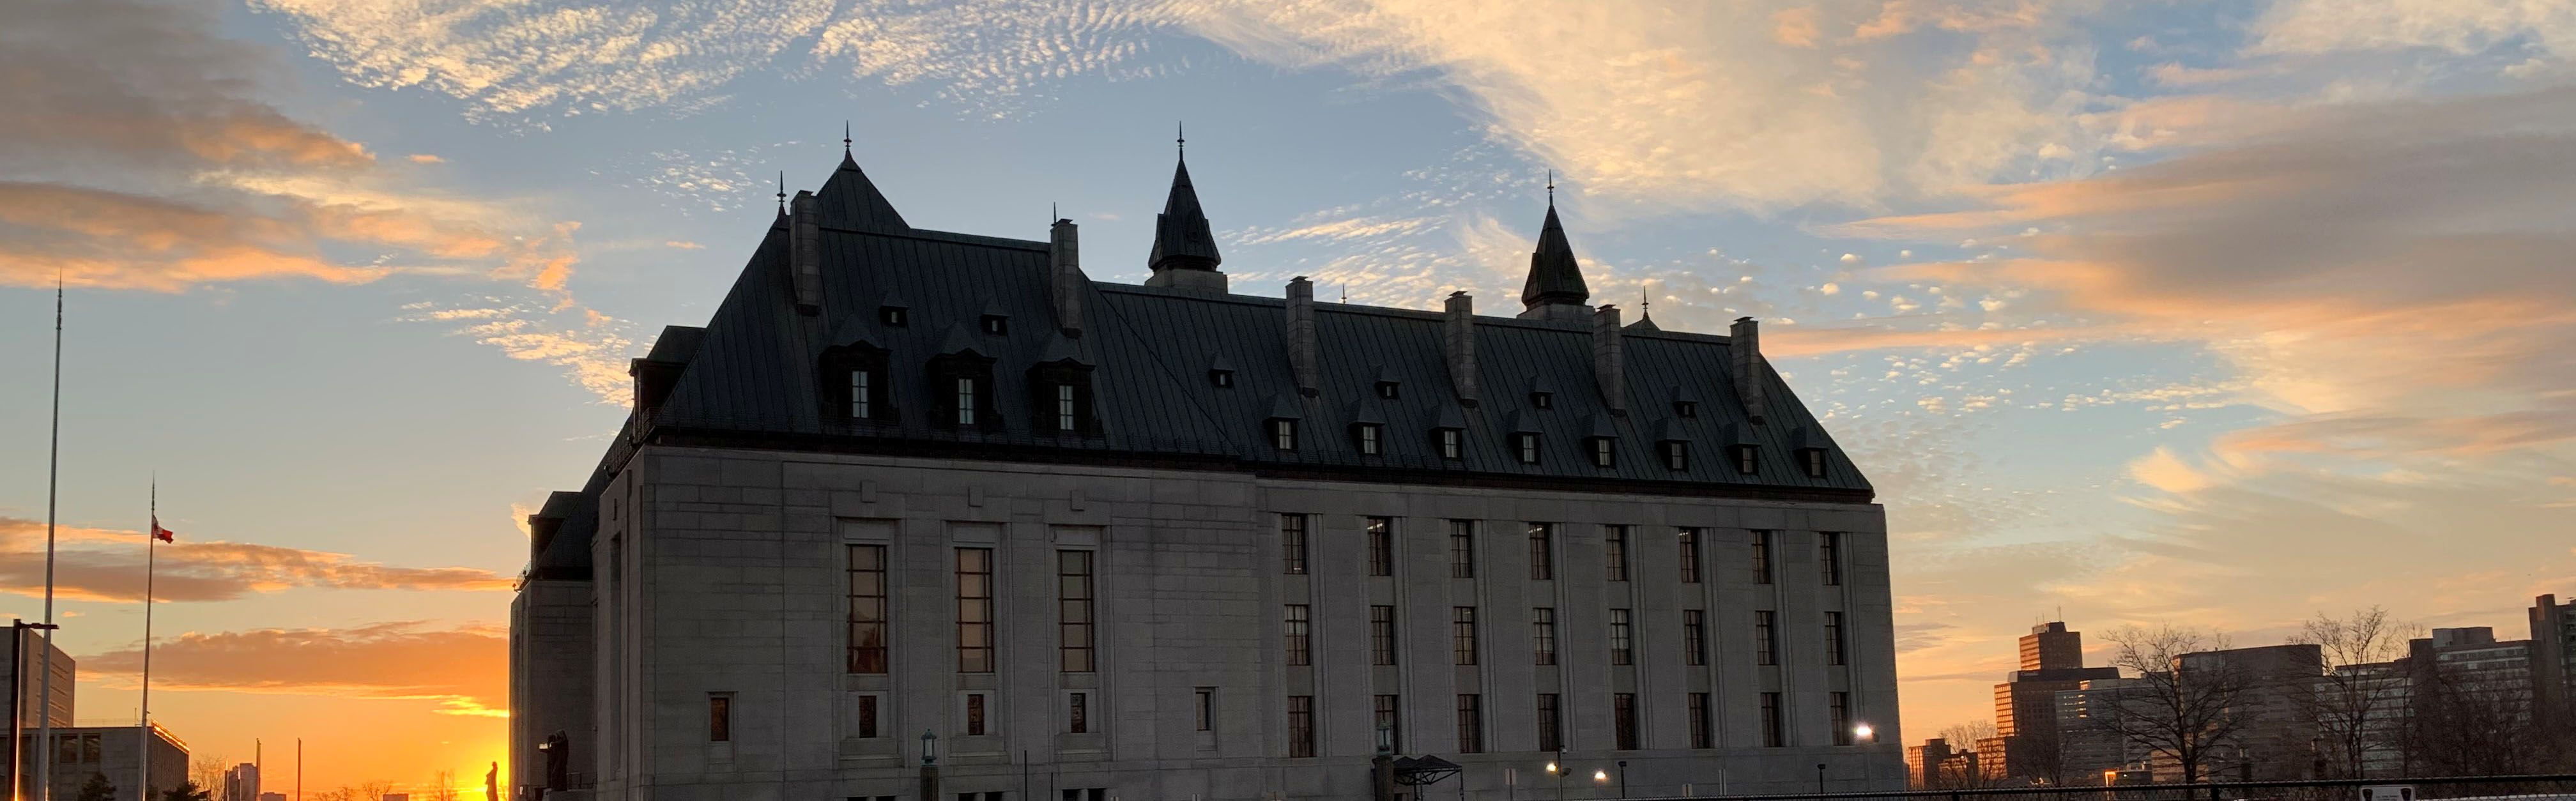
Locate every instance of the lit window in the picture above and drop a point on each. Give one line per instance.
(1387, 390)
(1676, 455)
(1452, 444)
(1543, 636)
(1066, 416)
(867, 572)
(1283, 434)
(1381, 546)
(1686, 408)
(1604, 452)
(1527, 445)
(965, 401)
(975, 610)
(1462, 549)
(1368, 435)
(1223, 379)
(1747, 460)
(892, 316)
(996, 324)
(1614, 551)
(1462, 634)
(1542, 552)
(862, 394)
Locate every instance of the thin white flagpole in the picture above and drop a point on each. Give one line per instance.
(53, 474)
(151, 549)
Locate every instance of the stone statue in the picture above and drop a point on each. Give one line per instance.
(492, 783)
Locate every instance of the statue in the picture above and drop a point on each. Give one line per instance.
(492, 783)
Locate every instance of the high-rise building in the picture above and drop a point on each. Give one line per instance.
(915, 498)
(2275, 734)
(2551, 662)
(2052, 660)
(2089, 739)
(241, 783)
(26, 673)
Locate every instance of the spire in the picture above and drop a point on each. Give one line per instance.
(1182, 238)
(845, 140)
(782, 193)
(850, 200)
(1554, 277)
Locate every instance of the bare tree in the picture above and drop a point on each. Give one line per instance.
(1967, 769)
(2359, 704)
(442, 788)
(2178, 708)
(207, 770)
(372, 791)
(2463, 724)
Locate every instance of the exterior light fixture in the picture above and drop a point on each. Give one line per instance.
(1602, 776)
(1552, 767)
(1862, 732)
(929, 748)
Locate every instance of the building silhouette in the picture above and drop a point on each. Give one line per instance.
(921, 514)
(2025, 747)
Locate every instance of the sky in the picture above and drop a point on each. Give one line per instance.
(2214, 314)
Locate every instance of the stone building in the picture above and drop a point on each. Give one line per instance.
(925, 515)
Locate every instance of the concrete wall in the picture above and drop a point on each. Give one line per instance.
(551, 656)
(723, 572)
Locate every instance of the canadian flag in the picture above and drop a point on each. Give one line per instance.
(162, 534)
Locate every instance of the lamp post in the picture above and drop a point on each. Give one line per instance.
(929, 766)
(1820, 778)
(1556, 770)
(1623, 778)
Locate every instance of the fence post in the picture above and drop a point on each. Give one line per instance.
(2213, 792)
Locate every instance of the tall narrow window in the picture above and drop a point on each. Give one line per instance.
(1301, 726)
(1623, 717)
(1077, 713)
(1771, 734)
(863, 394)
(1814, 460)
(1829, 557)
(1689, 556)
(1471, 724)
(1699, 729)
(720, 718)
(1453, 444)
(1676, 455)
(1761, 557)
(1747, 460)
(1462, 549)
(1604, 452)
(975, 715)
(1283, 434)
(1381, 635)
(1551, 723)
(1390, 725)
(974, 610)
(1462, 634)
(1614, 551)
(1300, 645)
(965, 401)
(1369, 435)
(1542, 551)
(867, 724)
(1766, 638)
(867, 608)
(1074, 612)
(1206, 705)
(1543, 635)
(1061, 397)
(1067, 414)
(962, 392)
(1842, 718)
(1292, 543)
(1694, 637)
(1381, 546)
(1622, 639)
(1527, 446)
(1833, 638)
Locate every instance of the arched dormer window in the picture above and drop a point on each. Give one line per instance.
(961, 391)
(855, 385)
(1061, 398)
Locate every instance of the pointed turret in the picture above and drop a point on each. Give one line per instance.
(850, 200)
(1184, 254)
(1555, 287)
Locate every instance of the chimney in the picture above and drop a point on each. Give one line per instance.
(1065, 279)
(1746, 343)
(1609, 360)
(1302, 357)
(1458, 336)
(805, 252)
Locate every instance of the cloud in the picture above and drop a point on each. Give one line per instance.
(683, 244)
(426, 158)
(2457, 26)
(462, 668)
(107, 565)
(1795, 27)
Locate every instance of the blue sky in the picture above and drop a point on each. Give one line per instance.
(2218, 314)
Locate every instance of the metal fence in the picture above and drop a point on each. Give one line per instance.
(2451, 788)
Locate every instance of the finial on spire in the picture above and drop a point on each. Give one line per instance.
(1181, 139)
(845, 137)
(1551, 187)
(1644, 305)
(782, 191)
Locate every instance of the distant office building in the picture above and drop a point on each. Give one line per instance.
(112, 751)
(25, 672)
(2275, 736)
(1937, 765)
(2473, 660)
(2552, 661)
(2052, 660)
(2090, 745)
(241, 783)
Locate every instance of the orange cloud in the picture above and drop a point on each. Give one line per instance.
(1795, 27)
(464, 669)
(107, 565)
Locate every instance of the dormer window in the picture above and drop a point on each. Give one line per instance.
(863, 393)
(966, 403)
(893, 316)
(1813, 461)
(1060, 398)
(962, 390)
(1371, 438)
(1605, 452)
(1452, 442)
(1543, 400)
(853, 378)
(1283, 433)
(996, 324)
(1388, 390)
(1686, 408)
(1676, 455)
(1223, 379)
(1526, 446)
(1747, 459)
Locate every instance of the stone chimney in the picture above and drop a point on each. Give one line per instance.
(1065, 281)
(1302, 355)
(1458, 339)
(1746, 344)
(1609, 359)
(805, 252)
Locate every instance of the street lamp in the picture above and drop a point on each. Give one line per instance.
(1623, 778)
(929, 748)
(1820, 778)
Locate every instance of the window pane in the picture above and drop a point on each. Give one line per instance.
(1689, 555)
(1614, 551)
(1551, 724)
(975, 610)
(1623, 719)
(1299, 652)
(719, 718)
(1381, 545)
(1292, 542)
(867, 609)
(1766, 644)
(1462, 549)
(1462, 628)
(1077, 713)
(1074, 598)
(1543, 635)
(1761, 557)
(1301, 725)
(1542, 552)
(1381, 635)
(1622, 644)
(1694, 637)
(1471, 724)
(965, 401)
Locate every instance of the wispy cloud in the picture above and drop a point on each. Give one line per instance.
(107, 565)
(461, 668)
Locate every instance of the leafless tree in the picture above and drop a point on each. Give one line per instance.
(442, 788)
(372, 791)
(2358, 704)
(2178, 708)
(2462, 724)
(1967, 769)
(207, 770)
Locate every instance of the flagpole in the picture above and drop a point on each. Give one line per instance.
(53, 474)
(143, 733)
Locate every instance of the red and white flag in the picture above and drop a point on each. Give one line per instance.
(162, 534)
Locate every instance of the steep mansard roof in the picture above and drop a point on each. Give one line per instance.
(754, 371)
